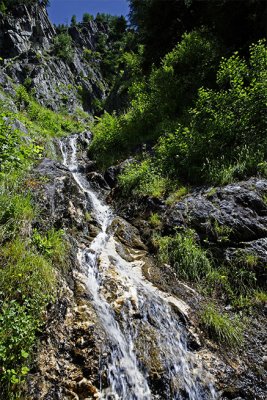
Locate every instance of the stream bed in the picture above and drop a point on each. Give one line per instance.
(146, 338)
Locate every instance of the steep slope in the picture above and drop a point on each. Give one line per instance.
(116, 320)
(28, 57)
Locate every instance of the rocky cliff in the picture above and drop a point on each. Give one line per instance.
(27, 53)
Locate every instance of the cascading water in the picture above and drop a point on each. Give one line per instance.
(139, 324)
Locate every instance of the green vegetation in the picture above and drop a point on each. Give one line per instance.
(155, 220)
(63, 47)
(41, 121)
(87, 18)
(142, 179)
(27, 257)
(177, 195)
(224, 118)
(188, 259)
(221, 327)
(175, 83)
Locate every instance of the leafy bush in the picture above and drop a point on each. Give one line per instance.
(26, 287)
(87, 18)
(221, 328)
(15, 149)
(63, 47)
(155, 220)
(26, 274)
(182, 252)
(158, 101)
(142, 179)
(52, 245)
(226, 137)
(18, 327)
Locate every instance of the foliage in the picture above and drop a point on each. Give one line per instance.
(182, 252)
(27, 279)
(221, 327)
(142, 179)
(159, 24)
(63, 47)
(15, 150)
(18, 327)
(46, 122)
(73, 21)
(225, 139)
(155, 220)
(25, 273)
(87, 18)
(175, 83)
(52, 245)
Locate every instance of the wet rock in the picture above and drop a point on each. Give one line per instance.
(61, 200)
(111, 174)
(97, 180)
(127, 234)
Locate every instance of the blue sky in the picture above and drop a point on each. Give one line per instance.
(61, 11)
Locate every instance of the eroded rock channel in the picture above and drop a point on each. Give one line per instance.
(112, 333)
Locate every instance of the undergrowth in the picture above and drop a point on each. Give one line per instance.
(221, 327)
(27, 257)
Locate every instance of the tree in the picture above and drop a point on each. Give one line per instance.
(73, 21)
(160, 24)
(87, 18)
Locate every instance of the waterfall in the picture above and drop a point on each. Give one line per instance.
(140, 323)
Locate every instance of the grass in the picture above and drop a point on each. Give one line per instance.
(221, 327)
(52, 245)
(28, 258)
(142, 179)
(155, 220)
(188, 259)
(177, 195)
(222, 232)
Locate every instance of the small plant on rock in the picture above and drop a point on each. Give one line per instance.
(221, 327)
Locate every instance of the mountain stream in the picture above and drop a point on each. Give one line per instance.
(147, 341)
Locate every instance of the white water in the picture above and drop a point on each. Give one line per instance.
(139, 323)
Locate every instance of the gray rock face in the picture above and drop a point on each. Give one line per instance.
(229, 220)
(26, 46)
(27, 28)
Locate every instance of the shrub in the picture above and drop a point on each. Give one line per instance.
(106, 139)
(142, 179)
(18, 327)
(15, 150)
(26, 274)
(158, 101)
(63, 47)
(221, 328)
(52, 245)
(182, 252)
(87, 18)
(155, 220)
(26, 287)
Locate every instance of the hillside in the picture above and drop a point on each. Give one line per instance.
(133, 202)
